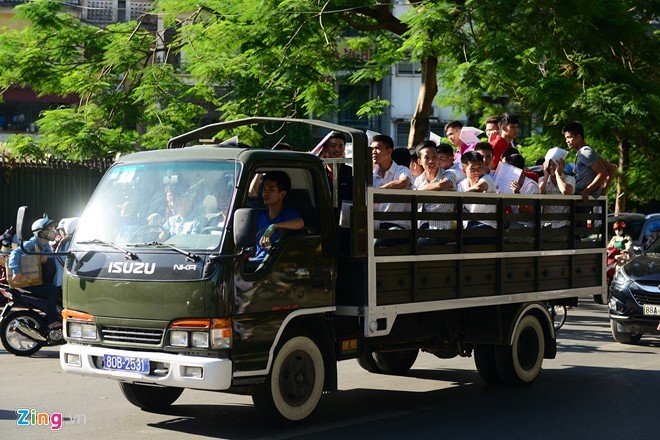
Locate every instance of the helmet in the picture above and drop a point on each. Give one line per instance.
(39, 225)
(71, 225)
(619, 225)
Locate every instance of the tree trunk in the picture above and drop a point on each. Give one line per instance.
(419, 125)
(621, 178)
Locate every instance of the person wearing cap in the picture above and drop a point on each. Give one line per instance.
(44, 232)
(620, 240)
(555, 181)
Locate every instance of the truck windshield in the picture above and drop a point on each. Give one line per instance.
(183, 204)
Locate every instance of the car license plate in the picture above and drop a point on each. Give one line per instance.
(125, 363)
(651, 310)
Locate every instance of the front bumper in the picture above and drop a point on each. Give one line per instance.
(626, 307)
(87, 360)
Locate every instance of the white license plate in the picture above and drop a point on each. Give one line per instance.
(125, 363)
(651, 310)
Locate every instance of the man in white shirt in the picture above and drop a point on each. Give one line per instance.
(434, 178)
(389, 175)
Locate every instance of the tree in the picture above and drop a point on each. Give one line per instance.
(557, 61)
(552, 61)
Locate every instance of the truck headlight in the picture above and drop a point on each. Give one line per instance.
(200, 339)
(179, 338)
(81, 330)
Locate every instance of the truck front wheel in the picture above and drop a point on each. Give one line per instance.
(520, 363)
(150, 397)
(295, 384)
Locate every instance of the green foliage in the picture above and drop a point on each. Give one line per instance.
(549, 61)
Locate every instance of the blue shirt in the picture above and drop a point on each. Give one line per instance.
(30, 245)
(263, 221)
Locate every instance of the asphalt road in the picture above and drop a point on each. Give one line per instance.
(594, 389)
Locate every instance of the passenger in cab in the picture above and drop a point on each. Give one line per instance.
(272, 223)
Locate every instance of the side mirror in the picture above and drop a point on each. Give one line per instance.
(20, 218)
(245, 227)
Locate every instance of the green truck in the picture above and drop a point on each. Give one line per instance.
(161, 314)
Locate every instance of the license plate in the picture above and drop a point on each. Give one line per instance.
(125, 363)
(651, 310)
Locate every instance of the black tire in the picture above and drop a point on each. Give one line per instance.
(395, 362)
(520, 363)
(622, 336)
(150, 397)
(484, 359)
(367, 361)
(16, 343)
(294, 386)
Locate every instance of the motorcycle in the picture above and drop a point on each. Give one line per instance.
(23, 324)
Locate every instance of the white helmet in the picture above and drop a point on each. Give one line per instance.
(70, 225)
(40, 224)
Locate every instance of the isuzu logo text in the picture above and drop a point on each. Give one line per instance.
(131, 267)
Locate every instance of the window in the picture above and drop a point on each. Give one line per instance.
(408, 69)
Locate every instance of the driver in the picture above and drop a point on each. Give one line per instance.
(43, 231)
(271, 223)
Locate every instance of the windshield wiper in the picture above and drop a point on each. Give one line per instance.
(128, 254)
(189, 255)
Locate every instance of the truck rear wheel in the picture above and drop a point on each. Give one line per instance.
(520, 363)
(294, 386)
(149, 397)
(486, 363)
(367, 361)
(620, 335)
(395, 362)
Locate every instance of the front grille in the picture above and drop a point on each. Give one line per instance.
(646, 293)
(132, 335)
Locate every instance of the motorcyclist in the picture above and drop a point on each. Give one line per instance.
(620, 240)
(621, 243)
(43, 231)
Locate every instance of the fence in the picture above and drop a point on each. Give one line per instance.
(57, 187)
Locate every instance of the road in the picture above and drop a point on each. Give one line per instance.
(595, 388)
